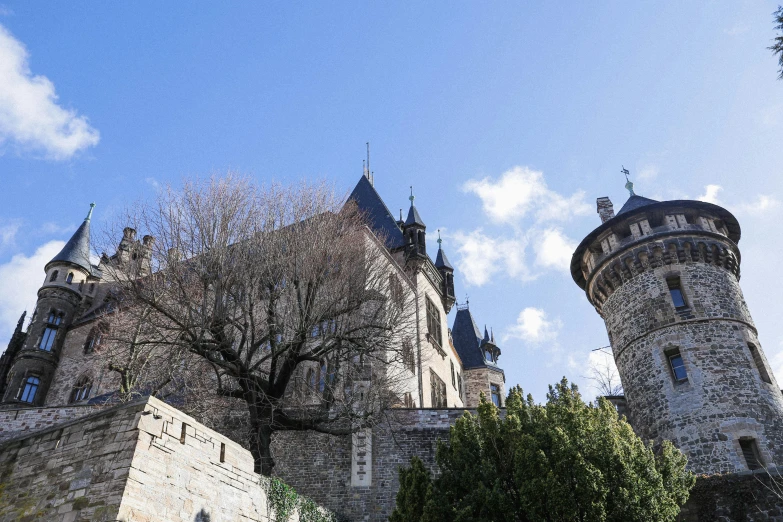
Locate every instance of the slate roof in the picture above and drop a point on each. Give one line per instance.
(441, 261)
(377, 213)
(414, 218)
(635, 202)
(468, 340)
(77, 250)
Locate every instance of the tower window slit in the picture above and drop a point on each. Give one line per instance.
(676, 292)
(677, 365)
(759, 362)
(751, 453)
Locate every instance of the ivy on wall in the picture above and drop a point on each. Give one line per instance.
(284, 501)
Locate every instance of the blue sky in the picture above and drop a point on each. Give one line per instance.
(508, 119)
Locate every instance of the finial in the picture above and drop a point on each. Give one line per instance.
(492, 334)
(439, 239)
(628, 182)
(401, 215)
(89, 214)
(412, 197)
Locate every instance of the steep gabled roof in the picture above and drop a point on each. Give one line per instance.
(77, 250)
(378, 216)
(468, 340)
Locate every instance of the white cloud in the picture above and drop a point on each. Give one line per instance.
(30, 118)
(8, 233)
(737, 29)
(481, 257)
(533, 327)
(553, 249)
(711, 194)
(761, 205)
(521, 191)
(648, 173)
(27, 274)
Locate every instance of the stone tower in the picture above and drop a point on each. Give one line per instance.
(664, 276)
(67, 283)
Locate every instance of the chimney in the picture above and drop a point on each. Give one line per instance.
(605, 209)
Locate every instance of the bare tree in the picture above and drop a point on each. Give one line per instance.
(777, 47)
(281, 294)
(603, 373)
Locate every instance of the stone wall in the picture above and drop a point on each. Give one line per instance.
(742, 497)
(143, 461)
(724, 397)
(16, 422)
(319, 466)
(478, 381)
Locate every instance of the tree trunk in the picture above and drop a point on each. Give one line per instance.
(261, 439)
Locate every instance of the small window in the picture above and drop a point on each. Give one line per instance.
(54, 276)
(69, 278)
(408, 359)
(676, 292)
(92, 287)
(47, 339)
(408, 400)
(81, 390)
(433, 322)
(488, 355)
(759, 362)
(322, 377)
(677, 365)
(29, 389)
(437, 390)
(459, 384)
(453, 376)
(395, 291)
(494, 390)
(751, 453)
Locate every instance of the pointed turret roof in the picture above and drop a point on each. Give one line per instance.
(441, 261)
(77, 250)
(413, 215)
(468, 340)
(379, 217)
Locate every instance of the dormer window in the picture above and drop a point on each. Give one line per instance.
(488, 356)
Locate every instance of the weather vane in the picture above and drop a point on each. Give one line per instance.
(628, 182)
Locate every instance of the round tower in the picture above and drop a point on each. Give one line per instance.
(664, 276)
(58, 302)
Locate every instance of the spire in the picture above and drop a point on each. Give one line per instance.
(77, 250)
(441, 261)
(413, 214)
(492, 335)
(486, 333)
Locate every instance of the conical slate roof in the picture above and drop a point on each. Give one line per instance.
(77, 250)
(635, 202)
(442, 261)
(378, 216)
(413, 217)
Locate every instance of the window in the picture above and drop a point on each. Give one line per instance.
(395, 291)
(488, 356)
(54, 276)
(322, 378)
(433, 322)
(29, 389)
(69, 278)
(677, 365)
(453, 377)
(751, 453)
(759, 362)
(676, 292)
(81, 390)
(408, 400)
(92, 287)
(408, 359)
(50, 331)
(438, 391)
(94, 339)
(494, 391)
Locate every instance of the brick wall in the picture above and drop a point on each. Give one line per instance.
(16, 422)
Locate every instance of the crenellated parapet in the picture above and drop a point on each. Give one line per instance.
(652, 236)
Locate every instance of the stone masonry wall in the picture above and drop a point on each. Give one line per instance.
(16, 422)
(319, 466)
(139, 462)
(724, 398)
(478, 380)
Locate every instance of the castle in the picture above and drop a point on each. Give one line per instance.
(664, 276)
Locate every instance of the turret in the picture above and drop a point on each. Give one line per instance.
(447, 273)
(414, 231)
(59, 298)
(664, 276)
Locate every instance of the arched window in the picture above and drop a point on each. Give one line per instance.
(50, 331)
(81, 389)
(54, 276)
(95, 338)
(69, 278)
(29, 389)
